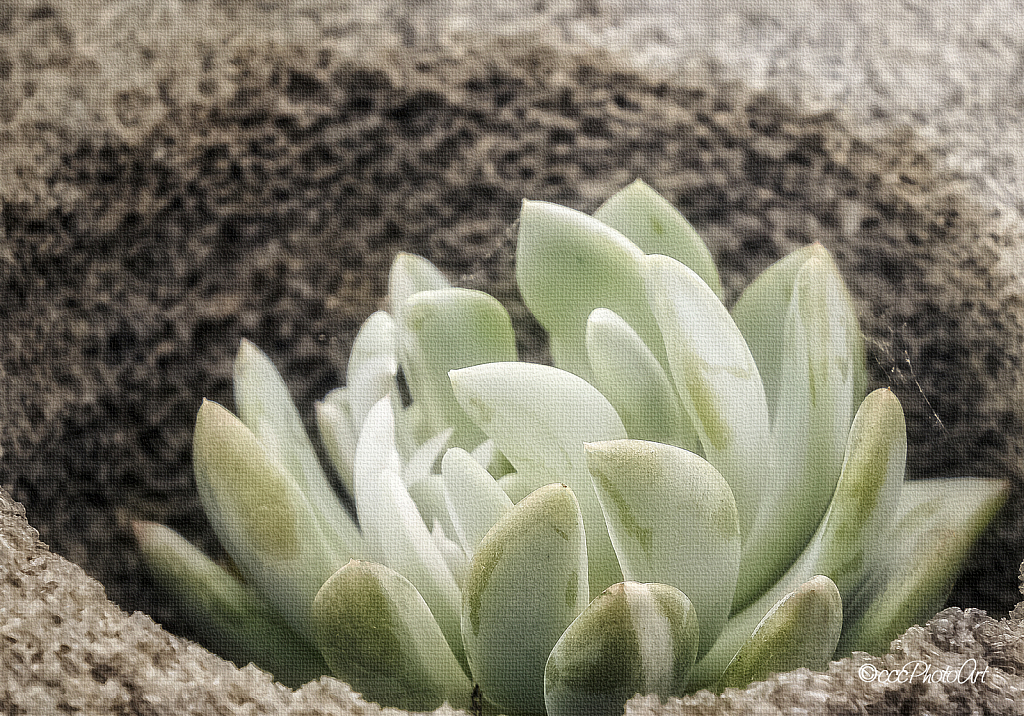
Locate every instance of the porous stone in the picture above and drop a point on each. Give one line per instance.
(65, 649)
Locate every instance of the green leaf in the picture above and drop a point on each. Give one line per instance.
(760, 314)
(527, 582)
(444, 330)
(474, 499)
(266, 408)
(626, 371)
(338, 433)
(372, 365)
(235, 622)
(801, 630)
(539, 417)
(939, 520)
(822, 382)
(632, 639)
(409, 275)
(863, 510)
(568, 264)
(652, 223)
(719, 385)
(377, 633)
(262, 518)
(852, 535)
(672, 519)
(395, 533)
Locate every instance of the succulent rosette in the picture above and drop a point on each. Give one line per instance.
(691, 497)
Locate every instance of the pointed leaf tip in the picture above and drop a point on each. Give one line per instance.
(526, 584)
(801, 630)
(632, 639)
(377, 633)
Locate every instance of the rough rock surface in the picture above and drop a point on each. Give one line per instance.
(65, 649)
(172, 182)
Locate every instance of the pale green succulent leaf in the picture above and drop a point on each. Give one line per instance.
(625, 370)
(760, 314)
(338, 433)
(378, 634)
(517, 486)
(863, 510)
(395, 532)
(409, 275)
(540, 417)
(648, 220)
(720, 388)
(527, 582)
(262, 518)
(455, 557)
(801, 630)
(821, 387)
(474, 499)
(939, 520)
(428, 495)
(425, 457)
(486, 454)
(372, 365)
(632, 639)
(444, 330)
(238, 624)
(266, 408)
(569, 263)
(853, 535)
(672, 519)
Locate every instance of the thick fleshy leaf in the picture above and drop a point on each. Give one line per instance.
(801, 630)
(632, 639)
(760, 314)
(854, 534)
(718, 384)
(939, 520)
(625, 370)
(338, 433)
(428, 494)
(377, 633)
(409, 275)
(822, 379)
(568, 264)
(395, 533)
(527, 583)
(423, 460)
(372, 365)
(862, 513)
(262, 518)
(648, 220)
(540, 417)
(444, 330)
(474, 499)
(266, 408)
(238, 624)
(672, 519)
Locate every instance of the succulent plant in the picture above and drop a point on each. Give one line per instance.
(689, 498)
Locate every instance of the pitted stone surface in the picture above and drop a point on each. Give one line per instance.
(65, 649)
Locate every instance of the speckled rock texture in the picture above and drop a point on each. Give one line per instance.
(65, 649)
(177, 176)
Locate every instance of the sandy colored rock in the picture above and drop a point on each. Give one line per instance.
(65, 649)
